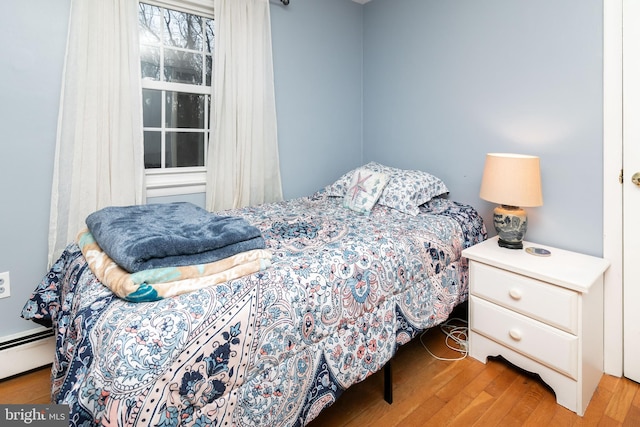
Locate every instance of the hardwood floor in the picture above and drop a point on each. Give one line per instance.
(28, 388)
(432, 392)
(427, 391)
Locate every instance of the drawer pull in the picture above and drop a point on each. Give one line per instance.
(515, 294)
(515, 334)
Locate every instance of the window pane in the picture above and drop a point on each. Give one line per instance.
(209, 67)
(183, 30)
(184, 110)
(184, 149)
(208, 25)
(208, 114)
(175, 47)
(150, 62)
(151, 108)
(150, 24)
(152, 149)
(182, 67)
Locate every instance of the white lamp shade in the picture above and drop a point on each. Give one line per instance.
(512, 180)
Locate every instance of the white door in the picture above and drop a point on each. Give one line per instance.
(631, 191)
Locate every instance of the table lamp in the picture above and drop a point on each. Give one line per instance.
(512, 181)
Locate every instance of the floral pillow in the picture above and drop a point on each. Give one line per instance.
(405, 192)
(364, 190)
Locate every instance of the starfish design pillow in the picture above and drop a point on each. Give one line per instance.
(364, 190)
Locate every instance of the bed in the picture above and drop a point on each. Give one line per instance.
(345, 287)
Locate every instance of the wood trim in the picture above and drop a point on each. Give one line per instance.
(612, 190)
(25, 357)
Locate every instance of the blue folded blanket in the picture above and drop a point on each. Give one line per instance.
(169, 234)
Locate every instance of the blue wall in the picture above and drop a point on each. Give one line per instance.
(33, 46)
(426, 84)
(317, 55)
(446, 82)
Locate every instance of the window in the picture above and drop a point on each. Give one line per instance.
(176, 62)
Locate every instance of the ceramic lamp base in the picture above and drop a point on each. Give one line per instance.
(511, 225)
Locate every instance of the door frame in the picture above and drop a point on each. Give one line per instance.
(612, 215)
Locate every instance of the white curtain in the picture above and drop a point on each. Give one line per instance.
(99, 159)
(243, 164)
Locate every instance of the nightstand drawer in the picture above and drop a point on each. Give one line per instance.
(545, 302)
(549, 346)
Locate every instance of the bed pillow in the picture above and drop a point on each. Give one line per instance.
(405, 192)
(364, 190)
(340, 187)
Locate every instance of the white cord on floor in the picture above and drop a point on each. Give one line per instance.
(454, 333)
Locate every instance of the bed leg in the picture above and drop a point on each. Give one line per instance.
(388, 383)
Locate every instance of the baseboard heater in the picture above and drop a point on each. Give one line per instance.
(26, 351)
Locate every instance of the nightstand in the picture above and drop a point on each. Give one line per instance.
(544, 314)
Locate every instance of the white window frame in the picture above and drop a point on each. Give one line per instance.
(196, 7)
(184, 180)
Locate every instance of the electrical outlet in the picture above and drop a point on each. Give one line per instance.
(5, 286)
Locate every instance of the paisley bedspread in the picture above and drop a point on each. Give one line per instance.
(274, 348)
